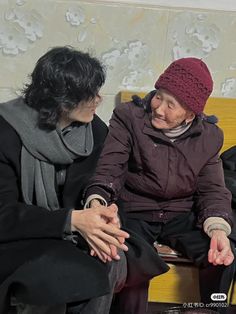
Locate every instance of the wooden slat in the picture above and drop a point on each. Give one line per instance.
(233, 294)
(178, 285)
(225, 110)
(125, 96)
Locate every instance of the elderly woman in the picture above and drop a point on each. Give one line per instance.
(161, 162)
(50, 140)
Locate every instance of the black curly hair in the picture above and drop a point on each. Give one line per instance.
(61, 79)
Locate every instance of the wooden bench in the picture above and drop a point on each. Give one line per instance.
(180, 283)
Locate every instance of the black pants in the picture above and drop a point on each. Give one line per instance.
(181, 234)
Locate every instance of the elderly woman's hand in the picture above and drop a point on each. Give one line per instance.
(220, 252)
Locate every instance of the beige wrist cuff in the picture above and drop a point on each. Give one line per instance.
(92, 197)
(216, 223)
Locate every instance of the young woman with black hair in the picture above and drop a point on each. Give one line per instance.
(50, 140)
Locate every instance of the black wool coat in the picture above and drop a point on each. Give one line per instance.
(36, 264)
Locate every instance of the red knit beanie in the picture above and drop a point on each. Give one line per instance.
(189, 80)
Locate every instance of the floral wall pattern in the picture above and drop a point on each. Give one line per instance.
(135, 42)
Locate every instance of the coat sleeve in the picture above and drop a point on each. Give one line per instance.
(112, 166)
(212, 198)
(17, 219)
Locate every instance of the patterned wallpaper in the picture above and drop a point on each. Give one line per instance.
(136, 42)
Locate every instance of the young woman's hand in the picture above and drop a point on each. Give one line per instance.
(94, 225)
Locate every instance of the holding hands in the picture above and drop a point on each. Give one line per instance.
(100, 227)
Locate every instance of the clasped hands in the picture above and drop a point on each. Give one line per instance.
(100, 227)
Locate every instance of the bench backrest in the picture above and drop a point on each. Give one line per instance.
(223, 108)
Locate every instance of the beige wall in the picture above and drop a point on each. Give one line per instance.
(136, 42)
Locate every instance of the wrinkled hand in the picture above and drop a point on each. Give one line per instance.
(116, 222)
(220, 252)
(92, 225)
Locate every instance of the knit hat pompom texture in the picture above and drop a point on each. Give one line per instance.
(189, 80)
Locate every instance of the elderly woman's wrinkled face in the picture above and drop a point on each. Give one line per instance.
(167, 112)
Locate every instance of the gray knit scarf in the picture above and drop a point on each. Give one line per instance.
(41, 150)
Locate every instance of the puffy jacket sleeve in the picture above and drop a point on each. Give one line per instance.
(212, 198)
(17, 219)
(112, 166)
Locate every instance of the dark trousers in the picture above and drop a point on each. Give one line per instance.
(181, 234)
(100, 305)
